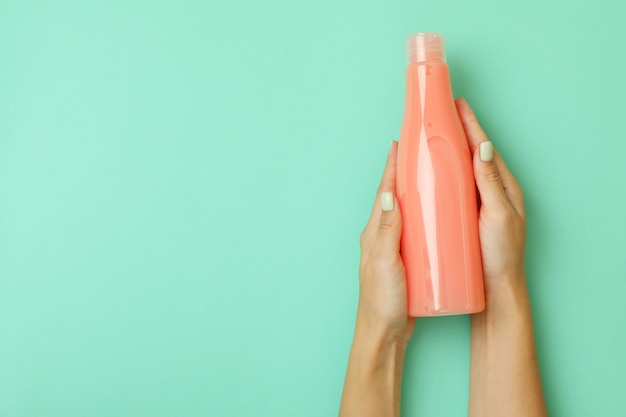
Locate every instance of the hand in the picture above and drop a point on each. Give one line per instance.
(504, 372)
(383, 294)
(374, 377)
(502, 218)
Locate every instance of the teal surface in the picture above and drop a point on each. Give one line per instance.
(183, 184)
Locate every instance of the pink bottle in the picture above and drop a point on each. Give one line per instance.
(436, 191)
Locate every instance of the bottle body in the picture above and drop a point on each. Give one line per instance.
(436, 191)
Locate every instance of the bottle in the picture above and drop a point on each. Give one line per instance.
(436, 191)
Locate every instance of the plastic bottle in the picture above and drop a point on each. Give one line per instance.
(436, 191)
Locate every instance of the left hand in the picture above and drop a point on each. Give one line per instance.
(383, 293)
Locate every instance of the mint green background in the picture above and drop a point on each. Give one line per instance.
(183, 184)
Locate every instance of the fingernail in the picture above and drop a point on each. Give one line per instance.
(486, 151)
(386, 201)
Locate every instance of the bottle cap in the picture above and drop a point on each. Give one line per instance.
(425, 46)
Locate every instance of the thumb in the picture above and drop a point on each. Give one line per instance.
(487, 176)
(390, 226)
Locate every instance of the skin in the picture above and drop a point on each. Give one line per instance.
(504, 372)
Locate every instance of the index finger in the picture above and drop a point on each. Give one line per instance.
(474, 132)
(387, 183)
(475, 135)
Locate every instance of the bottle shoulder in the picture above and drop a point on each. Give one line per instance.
(433, 65)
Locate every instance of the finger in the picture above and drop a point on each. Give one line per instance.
(511, 187)
(488, 178)
(475, 136)
(387, 183)
(473, 130)
(387, 243)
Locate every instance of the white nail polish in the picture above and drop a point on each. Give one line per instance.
(486, 151)
(386, 201)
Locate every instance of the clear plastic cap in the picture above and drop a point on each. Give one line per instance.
(425, 46)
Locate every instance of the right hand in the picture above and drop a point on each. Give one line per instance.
(502, 218)
(382, 295)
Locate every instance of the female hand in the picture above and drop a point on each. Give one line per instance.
(373, 383)
(383, 296)
(504, 371)
(502, 219)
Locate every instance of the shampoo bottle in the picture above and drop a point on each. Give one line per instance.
(436, 191)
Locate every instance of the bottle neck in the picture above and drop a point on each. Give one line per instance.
(425, 47)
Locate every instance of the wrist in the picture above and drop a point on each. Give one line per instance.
(377, 345)
(380, 331)
(507, 300)
(374, 378)
(375, 349)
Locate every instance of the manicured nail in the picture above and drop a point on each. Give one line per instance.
(486, 151)
(386, 201)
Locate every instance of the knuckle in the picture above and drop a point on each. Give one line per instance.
(385, 227)
(471, 119)
(492, 176)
